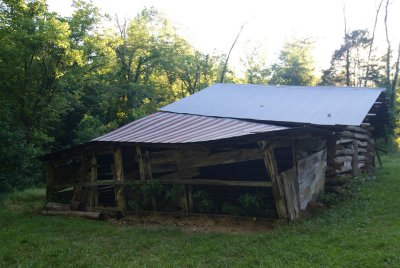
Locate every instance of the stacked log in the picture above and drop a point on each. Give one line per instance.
(57, 209)
(354, 151)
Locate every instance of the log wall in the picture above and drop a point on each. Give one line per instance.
(351, 152)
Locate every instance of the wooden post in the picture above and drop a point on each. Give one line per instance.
(354, 162)
(330, 159)
(189, 191)
(118, 178)
(145, 169)
(149, 173)
(292, 196)
(83, 193)
(78, 193)
(140, 162)
(50, 180)
(277, 187)
(94, 193)
(296, 172)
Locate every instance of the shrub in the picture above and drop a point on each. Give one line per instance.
(202, 202)
(230, 209)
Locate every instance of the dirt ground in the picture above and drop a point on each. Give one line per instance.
(198, 223)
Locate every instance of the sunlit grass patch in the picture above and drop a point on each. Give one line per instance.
(27, 201)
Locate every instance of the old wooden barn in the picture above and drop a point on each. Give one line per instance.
(226, 149)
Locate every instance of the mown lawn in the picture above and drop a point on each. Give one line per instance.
(362, 231)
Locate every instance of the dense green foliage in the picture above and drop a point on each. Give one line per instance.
(66, 80)
(295, 65)
(363, 231)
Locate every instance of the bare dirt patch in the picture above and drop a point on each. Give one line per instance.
(198, 222)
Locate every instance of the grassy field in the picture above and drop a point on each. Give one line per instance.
(361, 231)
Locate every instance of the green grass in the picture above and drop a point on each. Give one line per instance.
(362, 231)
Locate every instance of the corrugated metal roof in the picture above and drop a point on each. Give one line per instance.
(300, 104)
(164, 127)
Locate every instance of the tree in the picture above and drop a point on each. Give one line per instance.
(65, 80)
(295, 65)
(35, 53)
(350, 63)
(86, 82)
(256, 72)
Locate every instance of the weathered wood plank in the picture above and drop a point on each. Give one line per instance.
(240, 183)
(220, 158)
(147, 163)
(358, 129)
(312, 172)
(140, 162)
(172, 155)
(50, 181)
(291, 194)
(341, 159)
(189, 191)
(119, 179)
(187, 159)
(94, 194)
(69, 213)
(358, 136)
(56, 206)
(350, 141)
(343, 141)
(354, 163)
(183, 174)
(296, 170)
(344, 152)
(277, 187)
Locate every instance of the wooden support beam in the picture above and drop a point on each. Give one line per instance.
(147, 162)
(78, 195)
(187, 159)
(189, 194)
(140, 162)
(292, 197)
(354, 135)
(220, 182)
(341, 159)
(344, 152)
(354, 163)
(220, 158)
(84, 214)
(183, 174)
(185, 199)
(94, 193)
(296, 177)
(119, 179)
(331, 148)
(277, 187)
(50, 181)
(345, 141)
(358, 129)
(145, 170)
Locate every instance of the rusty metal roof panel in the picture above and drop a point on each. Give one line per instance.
(320, 105)
(164, 127)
